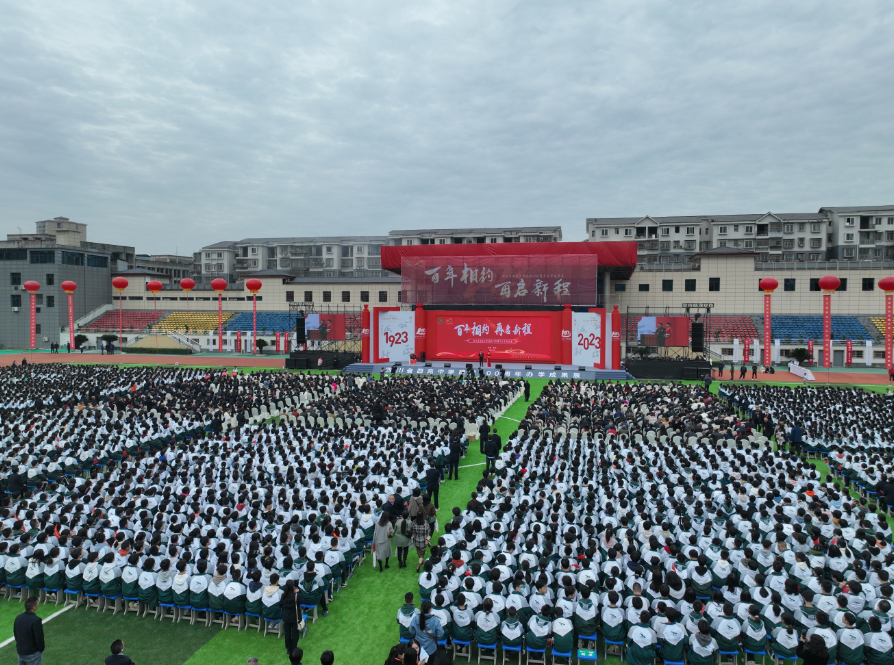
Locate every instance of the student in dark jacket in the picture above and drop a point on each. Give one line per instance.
(456, 449)
(527, 391)
(118, 657)
(28, 633)
(433, 481)
(492, 449)
(482, 435)
(290, 603)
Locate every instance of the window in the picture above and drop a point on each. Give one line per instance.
(15, 279)
(13, 254)
(868, 283)
(328, 263)
(620, 287)
(878, 355)
(290, 296)
(735, 228)
(788, 244)
(721, 243)
(329, 249)
(51, 279)
(400, 296)
(97, 261)
(749, 229)
(604, 232)
(42, 256)
(721, 230)
(788, 284)
(364, 296)
(749, 244)
(51, 301)
(327, 296)
(207, 255)
(37, 328)
(690, 230)
(713, 284)
(849, 221)
(15, 300)
(800, 242)
(644, 288)
(664, 245)
(816, 243)
(814, 284)
(848, 252)
(72, 259)
(308, 296)
(788, 228)
(726, 350)
(383, 296)
(688, 285)
(878, 221)
(858, 354)
(667, 285)
(890, 221)
(843, 286)
(346, 296)
(802, 226)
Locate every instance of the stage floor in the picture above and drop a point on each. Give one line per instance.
(513, 370)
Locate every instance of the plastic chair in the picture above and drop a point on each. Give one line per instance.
(777, 658)
(560, 654)
(273, 625)
(227, 620)
(194, 615)
(311, 607)
(166, 611)
(76, 601)
(489, 647)
(509, 649)
(762, 654)
(733, 661)
(461, 643)
(252, 621)
(587, 655)
(607, 642)
(113, 603)
(529, 660)
(587, 638)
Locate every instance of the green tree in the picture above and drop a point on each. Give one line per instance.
(109, 337)
(261, 343)
(800, 354)
(80, 339)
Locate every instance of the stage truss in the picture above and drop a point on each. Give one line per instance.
(352, 323)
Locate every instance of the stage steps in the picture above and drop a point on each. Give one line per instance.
(360, 368)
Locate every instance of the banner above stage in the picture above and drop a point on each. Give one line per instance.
(500, 280)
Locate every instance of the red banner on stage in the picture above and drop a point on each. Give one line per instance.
(491, 280)
(507, 336)
(277, 342)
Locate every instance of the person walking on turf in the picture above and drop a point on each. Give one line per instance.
(742, 371)
(28, 632)
(118, 657)
(492, 449)
(456, 449)
(527, 391)
(382, 541)
(292, 619)
(421, 537)
(433, 481)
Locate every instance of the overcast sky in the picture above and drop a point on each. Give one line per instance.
(169, 125)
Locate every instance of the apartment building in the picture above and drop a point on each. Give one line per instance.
(847, 234)
(340, 257)
(176, 267)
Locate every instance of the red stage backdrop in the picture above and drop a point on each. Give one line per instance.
(489, 280)
(508, 336)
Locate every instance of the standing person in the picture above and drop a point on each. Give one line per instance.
(492, 449)
(421, 537)
(891, 374)
(483, 431)
(754, 371)
(403, 538)
(720, 369)
(68, 346)
(118, 657)
(433, 481)
(480, 359)
(742, 371)
(382, 541)
(527, 391)
(28, 633)
(431, 514)
(456, 449)
(290, 604)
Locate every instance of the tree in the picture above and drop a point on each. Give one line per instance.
(80, 339)
(800, 354)
(109, 337)
(261, 343)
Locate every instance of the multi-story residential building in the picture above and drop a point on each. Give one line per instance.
(831, 233)
(475, 236)
(335, 257)
(175, 267)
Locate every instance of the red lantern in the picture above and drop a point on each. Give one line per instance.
(768, 285)
(253, 285)
(829, 283)
(69, 287)
(31, 287)
(187, 284)
(219, 285)
(119, 283)
(154, 286)
(886, 284)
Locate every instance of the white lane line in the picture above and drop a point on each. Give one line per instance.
(508, 418)
(466, 466)
(49, 618)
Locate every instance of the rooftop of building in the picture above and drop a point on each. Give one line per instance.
(479, 230)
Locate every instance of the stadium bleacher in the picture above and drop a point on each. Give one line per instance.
(199, 322)
(267, 321)
(129, 321)
(811, 327)
(878, 322)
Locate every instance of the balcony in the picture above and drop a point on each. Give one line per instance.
(647, 245)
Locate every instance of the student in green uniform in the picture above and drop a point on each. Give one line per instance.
(850, 641)
(487, 624)
(754, 634)
(405, 616)
(785, 637)
(877, 649)
(726, 629)
(585, 615)
(613, 619)
(562, 632)
(441, 609)
(234, 596)
(823, 629)
(54, 573)
(672, 637)
(702, 647)
(462, 618)
(511, 630)
(216, 588)
(146, 589)
(271, 609)
(198, 586)
(641, 641)
(539, 628)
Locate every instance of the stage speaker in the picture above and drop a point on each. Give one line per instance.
(498, 366)
(528, 367)
(428, 364)
(697, 331)
(557, 367)
(300, 332)
(446, 364)
(581, 369)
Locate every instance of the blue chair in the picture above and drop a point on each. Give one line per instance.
(762, 654)
(227, 620)
(561, 654)
(488, 647)
(735, 655)
(461, 643)
(587, 638)
(59, 597)
(167, 611)
(194, 615)
(404, 640)
(311, 607)
(777, 658)
(675, 662)
(530, 650)
(96, 598)
(76, 601)
(17, 594)
(607, 642)
(252, 621)
(111, 602)
(510, 649)
(273, 625)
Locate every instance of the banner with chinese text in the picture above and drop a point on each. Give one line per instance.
(507, 336)
(500, 280)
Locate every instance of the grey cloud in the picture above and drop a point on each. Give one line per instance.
(176, 124)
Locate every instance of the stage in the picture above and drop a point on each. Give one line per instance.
(513, 370)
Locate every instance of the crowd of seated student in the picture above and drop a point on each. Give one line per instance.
(655, 516)
(141, 485)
